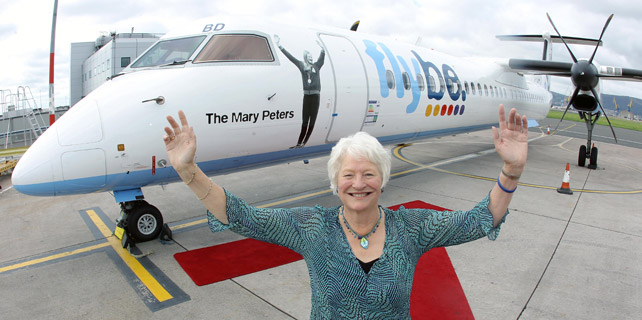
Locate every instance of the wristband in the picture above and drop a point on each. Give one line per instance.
(509, 176)
(193, 175)
(504, 189)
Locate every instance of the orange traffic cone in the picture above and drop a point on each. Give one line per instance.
(566, 187)
(548, 130)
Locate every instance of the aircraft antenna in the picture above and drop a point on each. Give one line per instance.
(355, 25)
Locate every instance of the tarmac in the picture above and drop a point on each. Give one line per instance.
(557, 256)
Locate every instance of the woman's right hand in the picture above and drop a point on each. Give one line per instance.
(180, 143)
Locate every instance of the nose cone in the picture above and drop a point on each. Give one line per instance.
(34, 174)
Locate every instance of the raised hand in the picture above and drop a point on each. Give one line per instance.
(277, 40)
(180, 143)
(511, 140)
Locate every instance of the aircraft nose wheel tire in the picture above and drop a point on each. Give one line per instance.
(593, 160)
(144, 222)
(581, 159)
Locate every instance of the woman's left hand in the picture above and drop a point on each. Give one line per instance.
(511, 140)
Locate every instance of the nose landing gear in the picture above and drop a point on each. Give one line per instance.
(586, 153)
(141, 220)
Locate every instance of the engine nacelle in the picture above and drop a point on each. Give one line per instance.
(585, 102)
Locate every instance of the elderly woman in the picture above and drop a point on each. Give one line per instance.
(361, 257)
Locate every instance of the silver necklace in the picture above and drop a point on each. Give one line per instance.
(363, 240)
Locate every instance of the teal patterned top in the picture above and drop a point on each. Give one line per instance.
(340, 287)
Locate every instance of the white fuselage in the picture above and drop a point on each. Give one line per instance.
(247, 113)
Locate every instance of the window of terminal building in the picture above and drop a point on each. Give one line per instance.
(237, 48)
(124, 61)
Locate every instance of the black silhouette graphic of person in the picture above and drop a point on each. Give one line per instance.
(311, 89)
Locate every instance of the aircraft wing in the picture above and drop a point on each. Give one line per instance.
(563, 69)
(616, 73)
(554, 39)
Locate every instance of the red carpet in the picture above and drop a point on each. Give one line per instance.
(233, 259)
(436, 292)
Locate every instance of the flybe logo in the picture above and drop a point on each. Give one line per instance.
(446, 84)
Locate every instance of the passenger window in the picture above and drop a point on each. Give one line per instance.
(431, 83)
(390, 78)
(236, 47)
(466, 85)
(406, 80)
(421, 83)
(486, 90)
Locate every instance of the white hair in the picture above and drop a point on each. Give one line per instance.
(359, 145)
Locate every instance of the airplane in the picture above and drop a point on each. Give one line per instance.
(585, 75)
(258, 93)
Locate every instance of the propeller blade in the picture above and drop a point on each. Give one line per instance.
(561, 38)
(603, 112)
(603, 30)
(570, 102)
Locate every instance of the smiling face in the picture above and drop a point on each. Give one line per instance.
(359, 185)
(307, 57)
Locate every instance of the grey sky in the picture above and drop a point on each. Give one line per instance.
(462, 28)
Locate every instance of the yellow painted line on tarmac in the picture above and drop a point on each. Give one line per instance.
(145, 277)
(397, 153)
(189, 224)
(52, 257)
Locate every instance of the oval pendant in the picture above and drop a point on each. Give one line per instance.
(364, 243)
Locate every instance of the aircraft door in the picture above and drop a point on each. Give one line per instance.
(85, 163)
(351, 95)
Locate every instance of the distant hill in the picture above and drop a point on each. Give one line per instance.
(608, 104)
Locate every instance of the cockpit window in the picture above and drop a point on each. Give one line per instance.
(236, 47)
(168, 52)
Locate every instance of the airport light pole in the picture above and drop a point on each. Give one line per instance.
(52, 108)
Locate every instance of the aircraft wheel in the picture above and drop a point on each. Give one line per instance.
(581, 159)
(144, 222)
(593, 161)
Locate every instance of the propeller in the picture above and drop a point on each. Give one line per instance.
(584, 74)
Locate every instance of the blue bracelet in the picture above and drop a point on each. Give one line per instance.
(504, 189)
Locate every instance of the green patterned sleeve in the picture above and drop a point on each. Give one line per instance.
(278, 226)
(446, 228)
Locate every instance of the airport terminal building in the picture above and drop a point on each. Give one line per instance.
(22, 120)
(93, 63)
